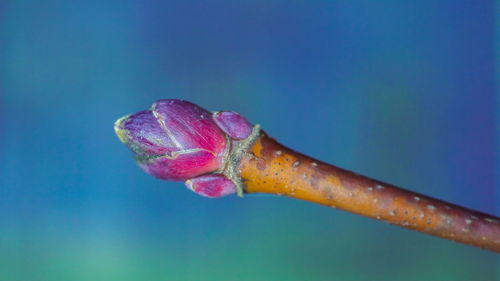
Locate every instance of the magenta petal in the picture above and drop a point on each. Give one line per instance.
(233, 124)
(212, 186)
(183, 167)
(189, 125)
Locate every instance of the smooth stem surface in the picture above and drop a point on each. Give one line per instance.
(269, 167)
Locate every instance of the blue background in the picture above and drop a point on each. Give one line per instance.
(402, 91)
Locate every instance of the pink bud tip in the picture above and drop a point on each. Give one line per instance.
(174, 140)
(233, 124)
(212, 186)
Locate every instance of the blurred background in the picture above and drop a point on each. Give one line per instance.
(402, 91)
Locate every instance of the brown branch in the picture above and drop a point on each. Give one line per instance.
(269, 167)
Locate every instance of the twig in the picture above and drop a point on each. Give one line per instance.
(221, 153)
(269, 167)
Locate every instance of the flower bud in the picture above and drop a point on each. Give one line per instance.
(174, 140)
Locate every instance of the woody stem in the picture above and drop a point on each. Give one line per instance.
(269, 167)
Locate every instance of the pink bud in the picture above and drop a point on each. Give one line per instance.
(212, 186)
(175, 140)
(233, 124)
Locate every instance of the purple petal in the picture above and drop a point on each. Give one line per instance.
(143, 134)
(212, 186)
(233, 124)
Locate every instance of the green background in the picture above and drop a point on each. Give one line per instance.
(402, 91)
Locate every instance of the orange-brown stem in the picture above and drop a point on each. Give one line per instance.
(269, 167)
